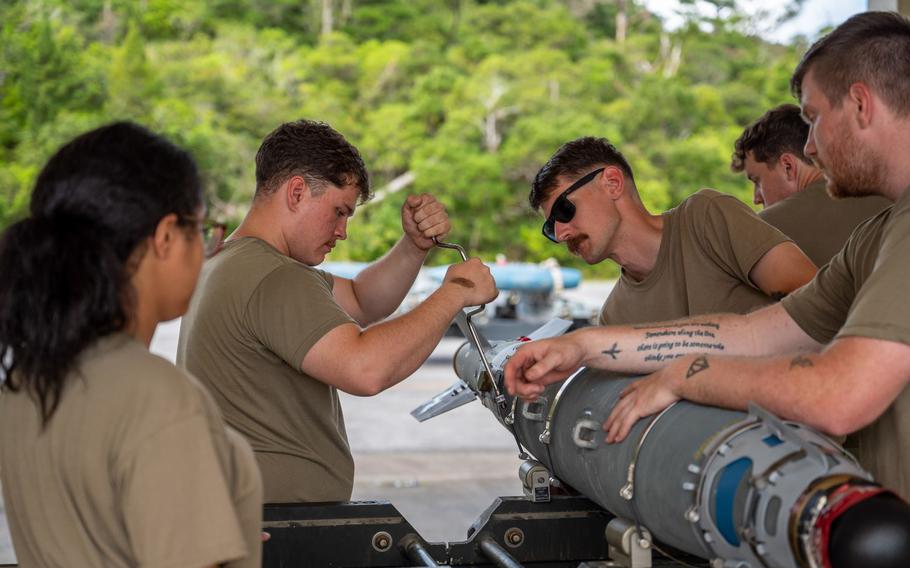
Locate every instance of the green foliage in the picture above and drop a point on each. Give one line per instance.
(469, 96)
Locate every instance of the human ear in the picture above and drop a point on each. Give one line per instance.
(295, 190)
(788, 162)
(164, 235)
(614, 181)
(860, 99)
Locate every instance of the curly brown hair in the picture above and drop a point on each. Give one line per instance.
(313, 150)
(778, 131)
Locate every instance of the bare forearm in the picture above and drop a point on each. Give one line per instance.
(734, 382)
(838, 391)
(648, 347)
(380, 288)
(799, 387)
(394, 349)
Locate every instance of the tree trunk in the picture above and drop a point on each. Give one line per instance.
(107, 23)
(622, 21)
(327, 22)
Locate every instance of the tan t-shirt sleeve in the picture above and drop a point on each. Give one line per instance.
(732, 233)
(292, 309)
(176, 505)
(880, 309)
(821, 307)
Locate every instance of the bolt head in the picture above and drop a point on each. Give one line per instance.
(514, 537)
(382, 541)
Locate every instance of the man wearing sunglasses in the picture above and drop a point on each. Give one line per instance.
(835, 354)
(709, 254)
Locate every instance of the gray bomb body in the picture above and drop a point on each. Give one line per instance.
(715, 483)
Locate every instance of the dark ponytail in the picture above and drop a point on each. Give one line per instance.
(65, 271)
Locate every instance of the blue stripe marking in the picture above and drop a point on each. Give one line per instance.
(725, 494)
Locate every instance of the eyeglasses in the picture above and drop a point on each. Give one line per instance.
(212, 233)
(212, 237)
(563, 210)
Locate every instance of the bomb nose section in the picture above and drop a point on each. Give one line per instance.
(874, 532)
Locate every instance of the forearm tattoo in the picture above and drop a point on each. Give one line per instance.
(801, 361)
(672, 341)
(463, 282)
(672, 325)
(697, 366)
(613, 351)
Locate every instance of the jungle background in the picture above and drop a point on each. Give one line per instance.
(465, 99)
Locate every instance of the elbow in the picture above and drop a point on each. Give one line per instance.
(838, 418)
(367, 383)
(837, 428)
(845, 425)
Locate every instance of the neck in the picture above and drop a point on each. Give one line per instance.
(260, 223)
(806, 176)
(637, 244)
(144, 320)
(896, 163)
(888, 144)
(896, 187)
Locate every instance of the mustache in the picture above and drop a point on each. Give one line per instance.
(575, 242)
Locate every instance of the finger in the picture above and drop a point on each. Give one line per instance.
(513, 372)
(543, 365)
(432, 228)
(629, 388)
(508, 377)
(614, 415)
(628, 422)
(426, 210)
(415, 201)
(531, 394)
(524, 389)
(614, 434)
(425, 220)
(553, 376)
(530, 390)
(266, 536)
(425, 206)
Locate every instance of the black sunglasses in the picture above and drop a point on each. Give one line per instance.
(563, 210)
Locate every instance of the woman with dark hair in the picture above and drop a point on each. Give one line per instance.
(109, 455)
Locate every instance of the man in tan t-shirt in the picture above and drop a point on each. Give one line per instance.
(792, 189)
(274, 338)
(709, 254)
(836, 353)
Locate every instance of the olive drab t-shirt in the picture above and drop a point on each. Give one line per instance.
(708, 246)
(818, 223)
(135, 468)
(863, 292)
(255, 315)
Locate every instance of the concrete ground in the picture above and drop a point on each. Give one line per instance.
(440, 474)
